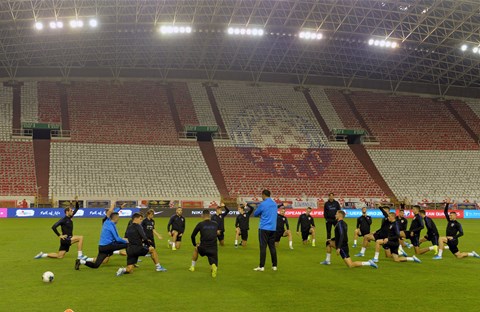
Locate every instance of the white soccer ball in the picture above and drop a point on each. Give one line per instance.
(48, 277)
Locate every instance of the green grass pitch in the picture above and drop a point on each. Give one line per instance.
(300, 284)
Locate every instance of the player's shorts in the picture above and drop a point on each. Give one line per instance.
(151, 242)
(221, 236)
(279, 235)
(379, 235)
(432, 237)
(244, 234)
(362, 233)
(453, 245)
(179, 236)
(65, 244)
(415, 239)
(344, 252)
(393, 247)
(305, 235)
(133, 252)
(210, 252)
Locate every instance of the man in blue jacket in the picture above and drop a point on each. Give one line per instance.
(267, 211)
(109, 242)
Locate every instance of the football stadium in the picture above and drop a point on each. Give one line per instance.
(240, 155)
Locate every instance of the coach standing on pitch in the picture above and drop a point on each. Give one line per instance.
(329, 211)
(267, 211)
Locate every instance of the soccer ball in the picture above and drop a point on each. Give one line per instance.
(47, 277)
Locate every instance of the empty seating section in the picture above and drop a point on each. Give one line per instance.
(29, 102)
(326, 109)
(472, 120)
(339, 103)
(411, 122)
(17, 169)
(203, 110)
(48, 94)
(430, 174)
(5, 112)
(267, 116)
(474, 105)
(295, 172)
(129, 171)
(184, 105)
(132, 113)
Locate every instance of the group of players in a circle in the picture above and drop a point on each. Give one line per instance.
(139, 237)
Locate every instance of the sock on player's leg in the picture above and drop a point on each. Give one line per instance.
(89, 259)
(440, 252)
(329, 256)
(376, 255)
(410, 259)
(45, 255)
(365, 263)
(446, 247)
(236, 242)
(116, 252)
(193, 263)
(362, 251)
(354, 241)
(290, 243)
(83, 261)
(80, 253)
(470, 254)
(430, 248)
(313, 241)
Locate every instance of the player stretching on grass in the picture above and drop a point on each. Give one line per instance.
(242, 224)
(148, 225)
(340, 243)
(109, 242)
(138, 246)
(176, 227)
(283, 229)
(392, 242)
(402, 225)
(208, 242)
(363, 226)
(454, 231)
(66, 238)
(415, 228)
(432, 234)
(219, 217)
(307, 225)
(380, 234)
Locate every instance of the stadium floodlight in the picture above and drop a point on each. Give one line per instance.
(59, 24)
(53, 25)
(93, 23)
(167, 29)
(310, 35)
(248, 32)
(38, 26)
(475, 50)
(464, 47)
(382, 43)
(76, 24)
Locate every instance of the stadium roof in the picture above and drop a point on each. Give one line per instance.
(127, 42)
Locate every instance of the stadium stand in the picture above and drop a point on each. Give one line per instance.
(132, 113)
(295, 172)
(325, 108)
(17, 169)
(129, 171)
(268, 116)
(183, 102)
(5, 112)
(48, 94)
(201, 104)
(411, 122)
(29, 100)
(430, 173)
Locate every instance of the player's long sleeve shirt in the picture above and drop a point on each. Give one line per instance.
(267, 211)
(66, 223)
(363, 223)
(431, 227)
(136, 235)
(454, 228)
(220, 219)
(305, 222)
(341, 238)
(243, 220)
(282, 223)
(330, 209)
(208, 233)
(109, 234)
(393, 232)
(417, 224)
(176, 223)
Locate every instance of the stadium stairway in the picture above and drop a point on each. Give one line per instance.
(316, 112)
(41, 150)
(211, 159)
(17, 106)
(367, 163)
(356, 113)
(64, 107)
(215, 110)
(456, 113)
(173, 109)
